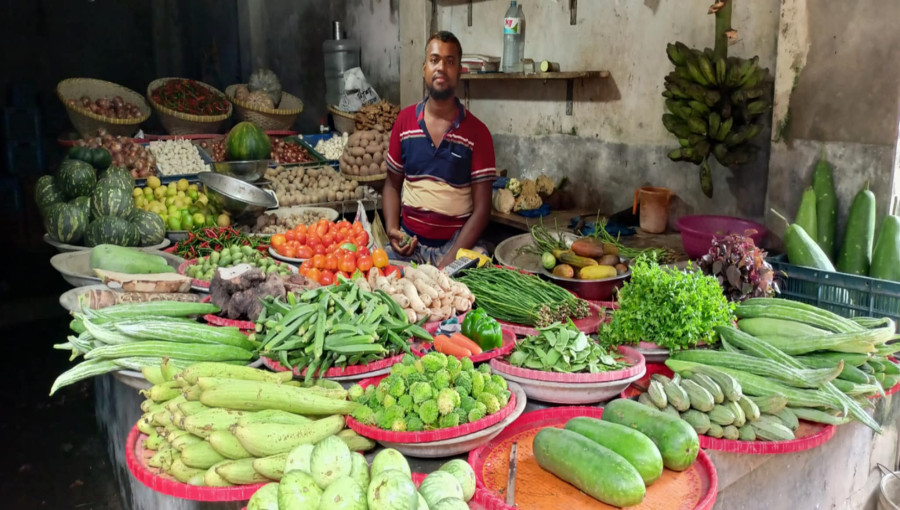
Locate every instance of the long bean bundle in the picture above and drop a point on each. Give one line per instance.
(519, 298)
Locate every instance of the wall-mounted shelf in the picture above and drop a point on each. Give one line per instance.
(569, 76)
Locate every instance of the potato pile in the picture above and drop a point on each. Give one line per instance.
(303, 186)
(364, 154)
(382, 114)
(272, 224)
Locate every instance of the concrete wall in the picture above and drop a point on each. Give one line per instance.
(836, 88)
(615, 140)
(376, 23)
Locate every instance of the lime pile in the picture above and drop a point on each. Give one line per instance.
(205, 268)
(181, 205)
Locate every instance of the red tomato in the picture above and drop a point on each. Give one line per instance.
(331, 248)
(342, 224)
(278, 241)
(363, 250)
(319, 249)
(328, 239)
(326, 278)
(314, 275)
(305, 252)
(346, 275)
(301, 238)
(361, 239)
(380, 258)
(290, 235)
(304, 271)
(319, 261)
(357, 227)
(348, 263)
(389, 270)
(301, 229)
(331, 262)
(306, 264)
(313, 240)
(364, 263)
(289, 252)
(340, 237)
(321, 229)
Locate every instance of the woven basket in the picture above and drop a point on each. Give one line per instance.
(87, 122)
(344, 122)
(269, 119)
(376, 181)
(177, 123)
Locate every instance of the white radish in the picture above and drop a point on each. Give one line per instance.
(371, 277)
(461, 304)
(363, 284)
(415, 302)
(425, 288)
(400, 299)
(438, 276)
(411, 316)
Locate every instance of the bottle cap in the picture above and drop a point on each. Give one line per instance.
(337, 30)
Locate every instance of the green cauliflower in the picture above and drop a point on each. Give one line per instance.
(364, 415)
(378, 416)
(389, 401)
(485, 368)
(403, 371)
(405, 402)
(466, 365)
(389, 417)
(499, 381)
(380, 392)
(415, 377)
(477, 383)
(419, 366)
(492, 388)
(395, 384)
(447, 401)
(503, 398)
(434, 361)
(477, 412)
(428, 412)
(399, 424)
(441, 379)
(420, 392)
(414, 423)
(467, 403)
(370, 392)
(463, 380)
(448, 420)
(463, 415)
(408, 360)
(490, 402)
(356, 393)
(462, 391)
(453, 365)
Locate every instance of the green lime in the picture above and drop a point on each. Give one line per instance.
(174, 223)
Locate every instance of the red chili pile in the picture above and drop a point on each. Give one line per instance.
(203, 241)
(189, 96)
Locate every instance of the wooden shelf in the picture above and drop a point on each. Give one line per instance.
(565, 75)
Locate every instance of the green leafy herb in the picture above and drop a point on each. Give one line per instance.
(563, 348)
(672, 308)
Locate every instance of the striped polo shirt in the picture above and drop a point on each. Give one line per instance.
(437, 187)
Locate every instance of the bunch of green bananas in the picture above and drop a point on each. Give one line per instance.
(714, 107)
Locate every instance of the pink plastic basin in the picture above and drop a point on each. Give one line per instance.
(698, 231)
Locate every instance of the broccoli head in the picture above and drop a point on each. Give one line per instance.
(477, 383)
(389, 401)
(406, 402)
(463, 380)
(490, 402)
(453, 365)
(414, 423)
(420, 392)
(461, 390)
(447, 401)
(485, 368)
(466, 364)
(389, 416)
(408, 360)
(434, 361)
(492, 388)
(503, 398)
(364, 415)
(499, 381)
(356, 393)
(448, 420)
(463, 415)
(428, 412)
(467, 403)
(440, 379)
(475, 414)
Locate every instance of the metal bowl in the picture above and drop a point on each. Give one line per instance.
(592, 290)
(237, 197)
(249, 171)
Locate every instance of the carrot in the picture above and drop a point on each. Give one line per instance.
(442, 343)
(465, 342)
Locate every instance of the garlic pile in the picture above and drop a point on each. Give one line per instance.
(177, 157)
(333, 147)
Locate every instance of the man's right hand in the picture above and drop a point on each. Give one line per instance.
(401, 243)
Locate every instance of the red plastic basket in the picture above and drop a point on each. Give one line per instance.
(429, 435)
(272, 364)
(509, 343)
(632, 355)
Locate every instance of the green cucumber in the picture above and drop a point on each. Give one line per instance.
(886, 255)
(676, 439)
(806, 213)
(632, 445)
(826, 205)
(802, 249)
(856, 252)
(595, 469)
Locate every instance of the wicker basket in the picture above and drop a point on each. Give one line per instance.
(87, 122)
(376, 181)
(269, 119)
(177, 123)
(344, 122)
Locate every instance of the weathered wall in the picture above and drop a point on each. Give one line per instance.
(835, 88)
(615, 140)
(376, 23)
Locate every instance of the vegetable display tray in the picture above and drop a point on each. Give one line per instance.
(810, 435)
(136, 457)
(587, 325)
(350, 373)
(421, 348)
(203, 285)
(64, 248)
(694, 488)
(481, 500)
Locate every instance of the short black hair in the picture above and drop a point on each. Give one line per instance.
(445, 37)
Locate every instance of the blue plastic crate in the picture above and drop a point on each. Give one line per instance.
(313, 139)
(844, 294)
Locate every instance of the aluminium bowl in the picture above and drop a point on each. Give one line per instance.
(237, 197)
(249, 171)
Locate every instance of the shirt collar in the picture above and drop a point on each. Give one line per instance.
(460, 116)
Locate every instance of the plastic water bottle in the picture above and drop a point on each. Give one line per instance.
(513, 39)
(340, 54)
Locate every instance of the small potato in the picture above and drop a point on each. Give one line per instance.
(384, 166)
(621, 269)
(339, 195)
(360, 193)
(374, 169)
(367, 159)
(608, 260)
(366, 136)
(354, 170)
(373, 148)
(378, 138)
(377, 157)
(357, 151)
(386, 145)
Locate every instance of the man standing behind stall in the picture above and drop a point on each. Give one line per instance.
(442, 158)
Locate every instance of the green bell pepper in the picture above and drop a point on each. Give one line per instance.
(482, 329)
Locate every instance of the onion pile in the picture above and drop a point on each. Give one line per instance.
(113, 107)
(215, 148)
(286, 152)
(125, 152)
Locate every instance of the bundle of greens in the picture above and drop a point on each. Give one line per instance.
(671, 308)
(563, 348)
(740, 266)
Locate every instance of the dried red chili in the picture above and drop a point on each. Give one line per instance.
(189, 96)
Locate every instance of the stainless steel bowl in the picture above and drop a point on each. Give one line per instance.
(249, 171)
(237, 197)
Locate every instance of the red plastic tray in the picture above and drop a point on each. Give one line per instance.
(481, 500)
(136, 457)
(429, 435)
(589, 324)
(215, 320)
(891, 391)
(272, 364)
(631, 355)
(697, 486)
(509, 343)
(810, 435)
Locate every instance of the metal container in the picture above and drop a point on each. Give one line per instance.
(249, 171)
(889, 489)
(507, 252)
(75, 266)
(592, 290)
(237, 197)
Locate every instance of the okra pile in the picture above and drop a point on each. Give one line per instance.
(335, 326)
(132, 336)
(218, 425)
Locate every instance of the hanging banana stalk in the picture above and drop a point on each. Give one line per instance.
(715, 103)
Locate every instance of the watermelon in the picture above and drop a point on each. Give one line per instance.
(100, 158)
(111, 199)
(47, 193)
(67, 223)
(84, 203)
(150, 226)
(112, 230)
(118, 173)
(246, 142)
(76, 178)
